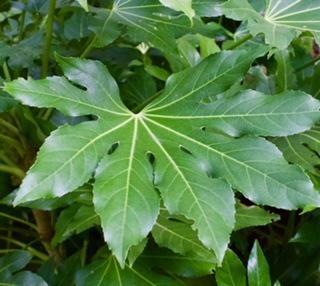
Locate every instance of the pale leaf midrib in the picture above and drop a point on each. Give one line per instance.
(80, 151)
(176, 167)
(71, 100)
(224, 155)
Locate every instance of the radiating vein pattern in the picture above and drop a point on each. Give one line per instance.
(179, 149)
(281, 20)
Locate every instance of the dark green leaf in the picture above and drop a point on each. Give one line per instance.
(258, 268)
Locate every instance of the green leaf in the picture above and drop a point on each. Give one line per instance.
(248, 112)
(258, 268)
(130, 154)
(149, 21)
(157, 72)
(180, 5)
(84, 4)
(27, 278)
(286, 78)
(309, 231)
(177, 235)
(187, 266)
(252, 216)
(232, 271)
(12, 262)
(135, 251)
(106, 272)
(76, 27)
(280, 21)
(6, 102)
(303, 149)
(105, 29)
(73, 220)
(137, 88)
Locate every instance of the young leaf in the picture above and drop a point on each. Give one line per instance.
(116, 148)
(258, 268)
(280, 21)
(232, 271)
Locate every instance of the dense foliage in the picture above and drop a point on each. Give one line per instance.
(159, 142)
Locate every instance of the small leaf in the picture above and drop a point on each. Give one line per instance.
(232, 271)
(253, 216)
(258, 268)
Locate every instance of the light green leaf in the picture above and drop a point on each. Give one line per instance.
(232, 271)
(130, 154)
(253, 216)
(258, 268)
(180, 5)
(280, 21)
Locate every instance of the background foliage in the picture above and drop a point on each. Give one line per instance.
(171, 142)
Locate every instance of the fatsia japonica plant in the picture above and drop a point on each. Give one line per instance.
(160, 142)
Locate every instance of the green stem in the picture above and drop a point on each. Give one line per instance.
(47, 47)
(84, 252)
(6, 71)
(32, 250)
(47, 114)
(240, 42)
(308, 64)
(12, 170)
(6, 160)
(9, 126)
(12, 142)
(18, 220)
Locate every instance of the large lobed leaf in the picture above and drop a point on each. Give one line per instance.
(176, 144)
(280, 21)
